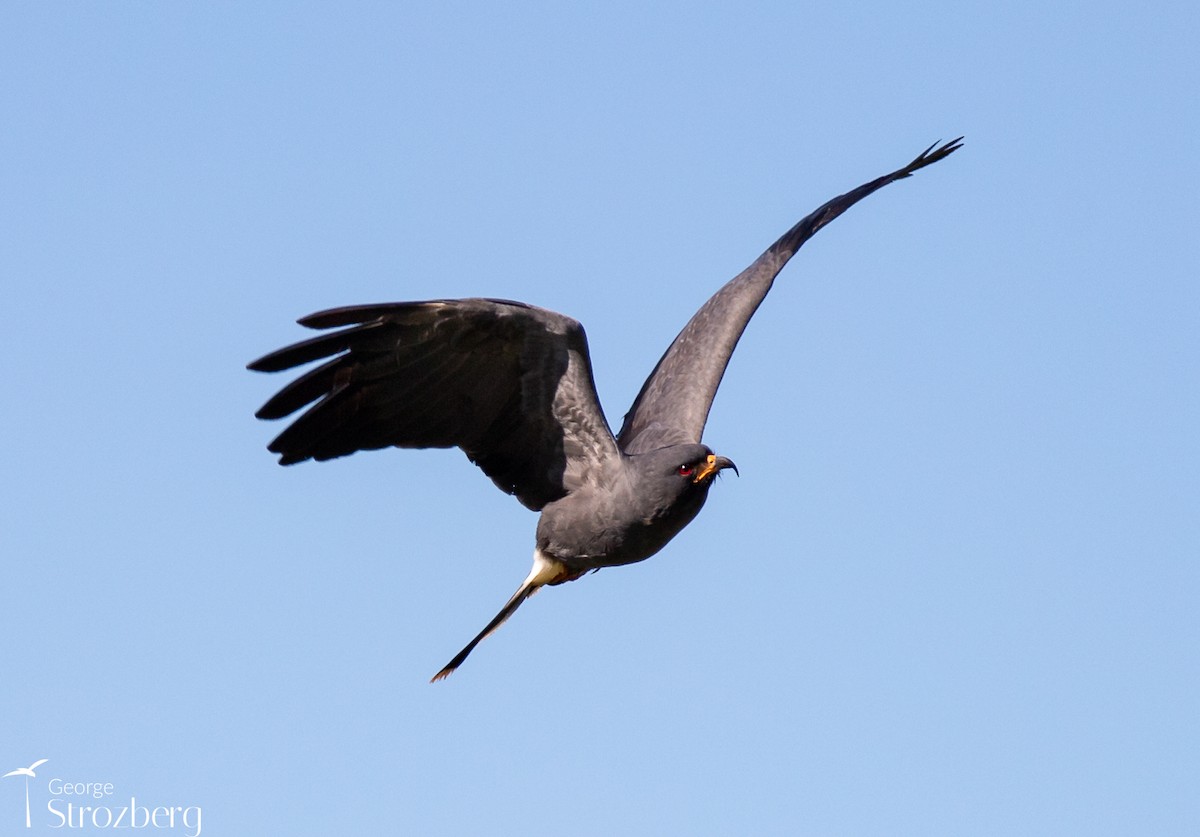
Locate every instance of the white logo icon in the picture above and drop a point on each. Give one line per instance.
(28, 773)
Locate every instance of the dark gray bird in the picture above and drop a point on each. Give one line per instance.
(511, 384)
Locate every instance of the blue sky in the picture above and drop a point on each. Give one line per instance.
(954, 589)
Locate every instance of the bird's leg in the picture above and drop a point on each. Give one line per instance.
(546, 570)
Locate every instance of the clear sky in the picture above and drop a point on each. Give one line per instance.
(954, 590)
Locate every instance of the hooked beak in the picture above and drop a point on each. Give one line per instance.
(713, 465)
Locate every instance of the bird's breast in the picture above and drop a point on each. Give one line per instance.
(590, 536)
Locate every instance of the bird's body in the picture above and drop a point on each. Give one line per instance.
(630, 517)
(511, 384)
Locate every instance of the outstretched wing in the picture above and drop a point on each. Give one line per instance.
(508, 383)
(673, 404)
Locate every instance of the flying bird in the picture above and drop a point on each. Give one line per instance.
(26, 771)
(511, 385)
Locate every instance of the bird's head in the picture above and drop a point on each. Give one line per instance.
(684, 471)
(703, 467)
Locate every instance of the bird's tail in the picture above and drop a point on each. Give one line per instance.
(546, 570)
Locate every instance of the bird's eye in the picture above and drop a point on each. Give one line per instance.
(686, 470)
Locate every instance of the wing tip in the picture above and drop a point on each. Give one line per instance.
(268, 363)
(348, 315)
(286, 358)
(932, 154)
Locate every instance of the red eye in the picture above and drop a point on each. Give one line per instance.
(686, 470)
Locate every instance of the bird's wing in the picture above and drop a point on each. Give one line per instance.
(673, 404)
(508, 383)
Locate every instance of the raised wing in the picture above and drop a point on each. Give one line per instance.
(673, 404)
(508, 383)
